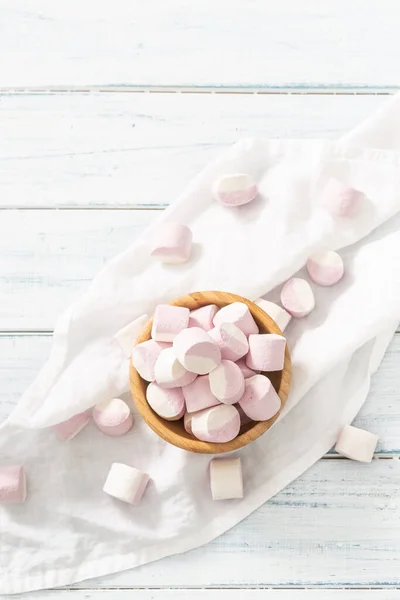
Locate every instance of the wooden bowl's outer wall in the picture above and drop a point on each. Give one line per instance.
(174, 431)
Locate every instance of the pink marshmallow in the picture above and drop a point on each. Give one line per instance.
(216, 424)
(144, 357)
(266, 352)
(247, 372)
(227, 382)
(238, 314)
(169, 372)
(234, 190)
(167, 403)
(126, 483)
(276, 312)
(168, 321)
(12, 484)
(260, 401)
(203, 317)
(198, 394)
(113, 417)
(342, 200)
(325, 268)
(173, 243)
(70, 428)
(231, 341)
(297, 297)
(196, 351)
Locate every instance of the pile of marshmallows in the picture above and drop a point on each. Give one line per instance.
(203, 365)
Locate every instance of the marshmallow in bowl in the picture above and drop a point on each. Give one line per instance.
(172, 243)
(198, 394)
(247, 372)
(203, 317)
(68, 429)
(266, 352)
(144, 357)
(196, 351)
(113, 417)
(12, 484)
(297, 297)
(168, 321)
(239, 314)
(325, 268)
(277, 313)
(218, 424)
(126, 483)
(227, 382)
(169, 372)
(260, 401)
(231, 341)
(234, 190)
(167, 403)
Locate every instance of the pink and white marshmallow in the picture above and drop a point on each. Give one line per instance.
(342, 200)
(168, 321)
(266, 352)
(356, 444)
(235, 190)
(260, 401)
(226, 480)
(167, 403)
(325, 268)
(68, 429)
(247, 372)
(227, 382)
(172, 243)
(297, 297)
(196, 351)
(126, 483)
(113, 417)
(239, 314)
(144, 357)
(198, 394)
(203, 317)
(231, 341)
(277, 313)
(12, 484)
(169, 372)
(218, 424)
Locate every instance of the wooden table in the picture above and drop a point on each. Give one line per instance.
(106, 112)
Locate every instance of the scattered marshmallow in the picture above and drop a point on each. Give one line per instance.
(173, 243)
(260, 401)
(231, 341)
(276, 312)
(227, 382)
(356, 444)
(169, 372)
(297, 297)
(126, 337)
(196, 351)
(70, 428)
(12, 484)
(226, 479)
(342, 200)
(126, 483)
(167, 403)
(216, 424)
(325, 268)
(247, 372)
(266, 352)
(235, 190)
(203, 317)
(113, 417)
(168, 321)
(239, 314)
(144, 357)
(198, 394)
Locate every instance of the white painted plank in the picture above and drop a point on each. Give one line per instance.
(345, 42)
(142, 149)
(22, 356)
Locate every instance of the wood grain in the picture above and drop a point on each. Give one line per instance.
(174, 431)
(258, 43)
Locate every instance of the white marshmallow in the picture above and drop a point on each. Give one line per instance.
(126, 483)
(172, 243)
(203, 317)
(247, 372)
(234, 190)
(231, 341)
(169, 372)
(238, 314)
(276, 312)
(260, 401)
(144, 357)
(68, 429)
(196, 351)
(126, 337)
(12, 484)
(342, 200)
(227, 382)
(266, 352)
(297, 297)
(218, 424)
(226, 480)
(325, 268)
(167, 403)
(113, 417)
(168, 321)
(356, 444)
(198, 394)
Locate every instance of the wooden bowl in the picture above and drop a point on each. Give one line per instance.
(174, 431)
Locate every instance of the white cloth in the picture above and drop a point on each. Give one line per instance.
(69, 530)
